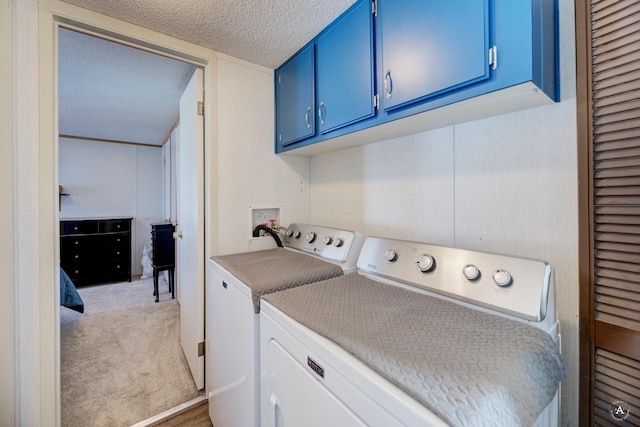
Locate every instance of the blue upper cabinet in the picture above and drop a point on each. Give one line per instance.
(388, 68)
(295, 98)
(344, 70)
(430, 47)
(329, 84)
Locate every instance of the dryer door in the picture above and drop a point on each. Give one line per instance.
(299, 399)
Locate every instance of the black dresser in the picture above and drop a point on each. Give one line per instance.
(96, 250)
(163, 254)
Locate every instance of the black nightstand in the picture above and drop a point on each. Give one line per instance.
(163, 254)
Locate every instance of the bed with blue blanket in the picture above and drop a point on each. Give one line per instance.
(69, 296)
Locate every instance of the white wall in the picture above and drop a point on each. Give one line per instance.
(249, 174)
(505, 184)
(6, 218)
(113, 180)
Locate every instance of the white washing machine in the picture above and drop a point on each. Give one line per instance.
(423, 335)
(235, 283)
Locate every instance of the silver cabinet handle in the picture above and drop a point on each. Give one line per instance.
(388, 83)
(306, 117)
(321, 112)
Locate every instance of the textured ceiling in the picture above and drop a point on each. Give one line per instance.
(110, 91)
(265, 32)
(114, 92)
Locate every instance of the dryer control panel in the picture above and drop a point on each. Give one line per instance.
(516, 286)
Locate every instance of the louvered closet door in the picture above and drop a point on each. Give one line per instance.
(616, 210)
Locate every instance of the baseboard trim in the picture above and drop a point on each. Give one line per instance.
(170, 413)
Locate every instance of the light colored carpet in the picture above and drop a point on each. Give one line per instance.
(121, 361)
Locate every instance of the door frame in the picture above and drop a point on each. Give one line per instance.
(585, 217)
(53, 15)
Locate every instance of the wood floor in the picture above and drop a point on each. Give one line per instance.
(196, 416)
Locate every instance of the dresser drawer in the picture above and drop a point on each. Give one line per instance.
(113, 266)
(115, 253)
(80, 274)
(72, 244)
(114, 225)
(117, 240)
(75, 258)
(114, 269)
(78, 227)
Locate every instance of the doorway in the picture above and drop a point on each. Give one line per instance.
(138, 147)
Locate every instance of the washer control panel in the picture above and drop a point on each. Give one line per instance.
(333, 244)
(512, 285)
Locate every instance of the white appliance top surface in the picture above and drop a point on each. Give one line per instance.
(272, 270)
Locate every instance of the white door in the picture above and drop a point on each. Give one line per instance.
(190, 227)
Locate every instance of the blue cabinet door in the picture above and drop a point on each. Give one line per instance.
(295, 98)
(430, 47)
(345, 70)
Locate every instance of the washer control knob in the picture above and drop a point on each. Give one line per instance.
(502, 278)
(337, 242)
(471, 272)
(391, 255)
(311, 236)
(296, 234)
(327, 240)
(289, 233)
(425, 263)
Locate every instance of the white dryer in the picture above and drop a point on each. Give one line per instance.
(423, 335)
(235, 284)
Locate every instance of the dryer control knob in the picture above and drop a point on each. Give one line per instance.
(391, 255)
(337, 242)
(327, 240)
(311, 236)
(471, 272)
(502, 278)
(425, 263)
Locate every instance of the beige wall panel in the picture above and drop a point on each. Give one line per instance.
(516, 193)
(401, 188)
(248, 172)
